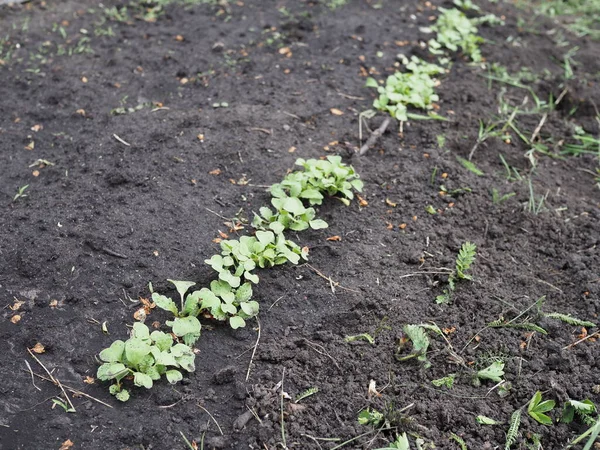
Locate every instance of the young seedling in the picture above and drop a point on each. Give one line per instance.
(455, 31)
(497, 198)
(493, 372)
(20, 193)
(484, 420)
(464, 261)
(401, 443)
(513, 429)
(361, 337)
(307, 393)
(447, 381)
(537, 409)
(403, 89)
(146, 357)
(417, 336)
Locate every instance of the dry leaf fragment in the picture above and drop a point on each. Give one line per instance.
(156, 324)
(30, 146)
(140, 314)
(179, 38)
(15, 319)
(215, 172)
(334, 238)
(390, 203)
(444, 175)
(389, 225)
(84, 79)
(373, 389)
(201, 137)
(35, 173)
(402, 226)
(155, 252)
(89, 380)
(361, 201)
(16, 305)
(38, 348)
(449, 330)
(336, 112)
(81, 112)
(291, 149)
(223, 235)
(37, 128)
(66, 445)
(53, 303)
(184, 80)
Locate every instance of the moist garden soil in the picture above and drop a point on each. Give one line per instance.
(146, 170)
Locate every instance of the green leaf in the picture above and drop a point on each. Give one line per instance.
(483, 420)
(142, 380)
(162, 340)
(236, 322)
(243, 293)
(173, 376)
(114, 353)
(109, 371)
(250, 308)
(182, 286)
(186, 325)
(140, 331)
(122, 396)
(165, 303)
(371, 82)
(136, 350)
(293, 205)
(470, 166)
(493, 372)
(277, 227)
(265, 237)
(208, 299)
(541, 418)
(186, 361)
(219, 287)
(318, 224)
(251, 277)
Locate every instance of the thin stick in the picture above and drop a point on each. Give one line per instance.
(274, 303)
(54, 380)
(32, 377)
(446, 271)
(537, 130)
(351, 97)
(374, 136)
(217, 214)
(211, 416)
(331, 282)
(281, 403)
(262, 130)
(323, 352)
(597, 333)
(121, 140)
(253, 351)
(73, 390)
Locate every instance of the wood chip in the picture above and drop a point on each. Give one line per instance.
(336, 112)
(38, 348)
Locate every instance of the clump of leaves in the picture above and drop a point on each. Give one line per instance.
(447, 381)
(455, 31)
(370, 417)
(145, 357)
(185, 325)
(416, 88)
(417, 336)
(537, 409)
(319, 178)
(401, 443)
(585, 410)
(464, 261)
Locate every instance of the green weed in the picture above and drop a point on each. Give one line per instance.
(464, 261)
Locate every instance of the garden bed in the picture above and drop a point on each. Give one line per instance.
(144, 138)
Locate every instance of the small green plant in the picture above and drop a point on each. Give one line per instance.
(20, 193)
(455, 31)
(370, 417)
(497, 198)
(417, 335)
(146, 357)
(537, 409)
(513, 429)
(493, 372)
(584, 410)
(361, 337)
(464, 261)
(401, 443)
(484, 420)
(307, 393)
(460, 441)
(59, 402)
(567, 318)
(412, 88)
(447, 381)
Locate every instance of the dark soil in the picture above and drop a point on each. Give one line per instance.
(107, 218)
